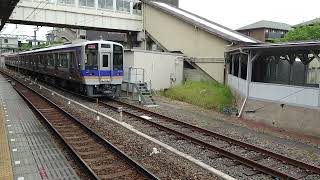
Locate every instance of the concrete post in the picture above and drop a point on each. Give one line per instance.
(114, 5)
(249, 69)
(131, 7)
(239, 71)
(232, 60)
(319, 96)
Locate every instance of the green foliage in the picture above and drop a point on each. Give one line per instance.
(204, 94)
(302, 33)
(25, 47)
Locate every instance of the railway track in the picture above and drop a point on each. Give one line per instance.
(100, 157)
(252, 156)
(293, 169)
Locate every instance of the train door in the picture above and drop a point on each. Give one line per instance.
(105, 67)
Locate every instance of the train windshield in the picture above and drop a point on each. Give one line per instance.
(117, 57)
(91, 56)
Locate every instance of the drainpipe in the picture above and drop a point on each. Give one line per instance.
(249, 71)
(248, 83)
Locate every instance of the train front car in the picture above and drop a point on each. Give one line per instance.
(103, 68)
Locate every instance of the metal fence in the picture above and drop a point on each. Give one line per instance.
(134, 75)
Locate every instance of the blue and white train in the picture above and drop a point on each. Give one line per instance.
(94, 68)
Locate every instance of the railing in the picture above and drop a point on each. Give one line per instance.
(134, 75)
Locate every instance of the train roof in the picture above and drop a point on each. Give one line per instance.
(67, 46)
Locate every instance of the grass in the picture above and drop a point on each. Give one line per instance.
(204, 94)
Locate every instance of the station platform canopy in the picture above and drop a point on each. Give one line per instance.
(6, 8)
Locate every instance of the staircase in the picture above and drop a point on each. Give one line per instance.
(200, 70)
(145, 94)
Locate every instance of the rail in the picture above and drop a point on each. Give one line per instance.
(90, 148)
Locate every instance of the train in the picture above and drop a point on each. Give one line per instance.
(93, 68)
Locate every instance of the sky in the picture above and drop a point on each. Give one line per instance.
(230, 13)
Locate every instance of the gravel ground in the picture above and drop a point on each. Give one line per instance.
(165, 165)
(309, 153)
(306, 150)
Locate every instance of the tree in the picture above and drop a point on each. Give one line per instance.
(25, 47)
(302, 33)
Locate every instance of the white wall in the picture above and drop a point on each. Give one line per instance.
(159, 68)
(295, 95)
(237, 84)
(287, 94)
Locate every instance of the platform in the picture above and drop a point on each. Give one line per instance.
(29, 151)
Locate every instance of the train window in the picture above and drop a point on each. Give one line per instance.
(51, 59)
(71, 60)
(105, 46)
(39, 60)
(117, 57)
(63, 57)
(105, 61)
(92, 59)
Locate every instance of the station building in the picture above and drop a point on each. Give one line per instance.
(202, 42)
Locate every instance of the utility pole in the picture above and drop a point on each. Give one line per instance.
(35, 36)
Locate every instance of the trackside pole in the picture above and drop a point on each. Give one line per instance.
(97, 103)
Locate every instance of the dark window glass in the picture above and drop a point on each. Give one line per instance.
(71, 60)
(63, 57)
(6, 41)
(50, 60)
(105, 60)
(105, 45)
(117, 57)
(92, 59)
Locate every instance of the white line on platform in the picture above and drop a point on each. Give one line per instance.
(8, 120)
(20, 178)
(17, 162)
(10, 132)
(14, 150)
(9, 125)
(12, 140)
(129, 127)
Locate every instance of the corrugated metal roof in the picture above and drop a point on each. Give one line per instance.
(6, 8)
(285, 45)
(267, 24)
(202, 23)
(313, 21)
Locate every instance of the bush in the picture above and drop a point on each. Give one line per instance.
(204, 94)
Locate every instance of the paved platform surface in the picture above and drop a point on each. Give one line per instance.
(5, 160)
(32, 151)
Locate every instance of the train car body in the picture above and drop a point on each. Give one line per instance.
(94, 68)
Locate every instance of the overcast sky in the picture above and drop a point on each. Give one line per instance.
(231, 13)
(237, 13)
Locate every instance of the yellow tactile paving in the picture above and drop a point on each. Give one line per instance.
(5, 161)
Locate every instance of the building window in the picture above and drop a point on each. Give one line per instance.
(137, 8)
(5, 40)
(87, 3)
(266, 33)
(123, 5)
(65, 1)
(105, 4)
